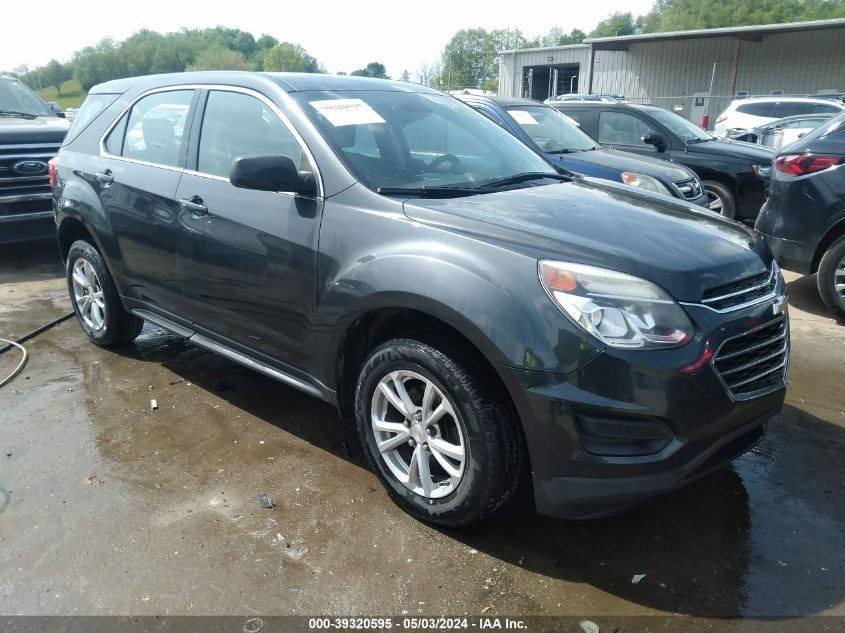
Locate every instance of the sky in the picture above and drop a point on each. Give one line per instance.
(343, 35)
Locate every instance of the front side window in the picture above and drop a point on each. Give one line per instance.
(416, 140)
(620, 128)
(155, 128)
(551, 130)
(237, 125)
(687, 131)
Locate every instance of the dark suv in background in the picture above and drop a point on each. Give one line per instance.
(562, 142)
(734, 174)
(804, 218)
(31, 132)
(384, 247)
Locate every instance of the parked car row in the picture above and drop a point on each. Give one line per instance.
(482, 313)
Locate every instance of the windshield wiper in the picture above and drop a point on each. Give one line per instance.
(529, 175)
(441, 191)
(17, 114)
(700, 140)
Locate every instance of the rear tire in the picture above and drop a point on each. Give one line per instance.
(471, 455)
(95, 299)
(831, 275)
(721, 199)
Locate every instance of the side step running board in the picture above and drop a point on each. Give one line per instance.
(206, 343)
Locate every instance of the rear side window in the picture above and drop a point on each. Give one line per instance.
(792, 108)
(619, 128)
(579, 115)
(92, 107)
(155, 129)
(237, 125)
(766, 109)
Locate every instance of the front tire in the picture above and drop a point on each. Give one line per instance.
(831, 278)
(445, 447)
(95, 299)
(720, 199)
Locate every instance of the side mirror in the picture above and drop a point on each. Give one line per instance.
(271, 173)
(57, 110)
(655, 139)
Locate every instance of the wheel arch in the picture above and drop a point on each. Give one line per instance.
(833, 233)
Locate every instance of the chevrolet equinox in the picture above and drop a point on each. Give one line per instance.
(384, 247)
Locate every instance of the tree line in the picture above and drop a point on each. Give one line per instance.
(470, 58)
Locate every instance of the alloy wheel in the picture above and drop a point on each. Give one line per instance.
(418, 434)
(715, 202)
(839, 278)
(88, 293)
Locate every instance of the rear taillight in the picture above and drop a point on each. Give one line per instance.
(721, 118)
(53, 165)
(802, 164)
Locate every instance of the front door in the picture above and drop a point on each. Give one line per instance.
(248, 259)
(625, 131)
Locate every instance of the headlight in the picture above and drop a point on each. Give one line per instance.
(762, 170)
(644, 182)
(621, 310)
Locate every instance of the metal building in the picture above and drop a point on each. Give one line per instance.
(691, 72)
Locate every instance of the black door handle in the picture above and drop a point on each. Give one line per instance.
(104, 177)
(194, 205)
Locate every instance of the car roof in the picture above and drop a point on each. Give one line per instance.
(780, 99)
(289, 82)
(504, 102)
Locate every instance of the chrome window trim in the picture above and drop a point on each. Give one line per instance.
(225, 88)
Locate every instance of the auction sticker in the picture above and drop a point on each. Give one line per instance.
(522, 117)
(341, 112)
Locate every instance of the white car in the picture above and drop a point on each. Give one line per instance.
(753, 112)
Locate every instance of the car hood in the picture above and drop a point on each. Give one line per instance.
(737, 149)
(40, 130)
(681, 248)
(625, 161)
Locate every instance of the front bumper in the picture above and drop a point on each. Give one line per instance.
(26, 218)
(678, 390)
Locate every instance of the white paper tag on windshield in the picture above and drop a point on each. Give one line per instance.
(347, 112)
(522, 117)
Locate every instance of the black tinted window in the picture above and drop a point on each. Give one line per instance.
(90, 110)
(619, 128)
(766, 109)
(155, 130)
(792, 108)
(237, 125)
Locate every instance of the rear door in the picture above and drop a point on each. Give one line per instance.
(143, 160)
(248, 258)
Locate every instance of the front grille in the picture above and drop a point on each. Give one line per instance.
(16, 182)
(755, 363)
(22, 192)
(690, 189)
(745, 291)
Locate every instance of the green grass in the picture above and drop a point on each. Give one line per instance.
(72, 94)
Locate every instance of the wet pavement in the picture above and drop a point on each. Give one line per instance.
(108, 506)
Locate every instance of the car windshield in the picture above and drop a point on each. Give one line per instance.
(688, 132)
(15, 97)
(550, 130)
(410, 140)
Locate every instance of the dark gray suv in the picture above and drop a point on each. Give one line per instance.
(384, 247)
